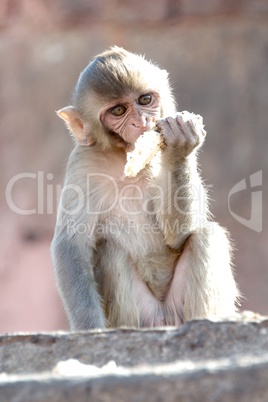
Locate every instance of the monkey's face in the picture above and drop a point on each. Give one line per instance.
(131, 115)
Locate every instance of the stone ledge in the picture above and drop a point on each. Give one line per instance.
(202, 361)
(210, 381)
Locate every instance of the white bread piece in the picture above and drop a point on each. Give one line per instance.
(146, 147)
(149, 143)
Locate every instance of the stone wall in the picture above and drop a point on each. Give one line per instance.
(217, 56)
(201, 361)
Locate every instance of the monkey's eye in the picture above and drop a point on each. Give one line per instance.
(118, 110)
(145, 99)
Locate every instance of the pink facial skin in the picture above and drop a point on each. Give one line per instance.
(131, 118)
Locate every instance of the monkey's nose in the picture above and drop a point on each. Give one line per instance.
(140, 121)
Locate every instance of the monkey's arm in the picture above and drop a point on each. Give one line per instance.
(73, 264)
(73, 253)
(204, 270)
(182, 206)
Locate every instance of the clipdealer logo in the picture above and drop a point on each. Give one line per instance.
(255, 220)
(48, 196)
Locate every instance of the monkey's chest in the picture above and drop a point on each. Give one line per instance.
(138, 241)
(136, 233)
(131, 219)
(135, 240)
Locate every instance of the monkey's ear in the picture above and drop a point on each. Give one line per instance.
(74, 123)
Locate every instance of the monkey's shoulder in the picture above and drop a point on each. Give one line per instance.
(92, 159)
(103, 170)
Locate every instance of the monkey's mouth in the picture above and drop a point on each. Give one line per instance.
(121, 143)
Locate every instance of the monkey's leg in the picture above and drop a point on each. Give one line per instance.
(76, 284)
(203, 285)
(151, 312)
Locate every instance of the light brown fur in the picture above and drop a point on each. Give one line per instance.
(136, 251)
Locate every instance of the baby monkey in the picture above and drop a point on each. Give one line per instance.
(136, 250)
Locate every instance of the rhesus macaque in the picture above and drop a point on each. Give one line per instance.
(136, 251)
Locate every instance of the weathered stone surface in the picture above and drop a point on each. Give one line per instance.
(228, 381)
(129, 347)
(200, 361)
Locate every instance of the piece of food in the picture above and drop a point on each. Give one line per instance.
(146, 147)
(149, 143)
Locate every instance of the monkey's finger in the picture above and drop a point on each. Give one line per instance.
(198, 125)
(166, 126)
(173, 132)
(186, 126)
(196, 121)
(177, 130)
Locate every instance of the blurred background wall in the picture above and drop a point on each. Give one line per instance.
(217, 55)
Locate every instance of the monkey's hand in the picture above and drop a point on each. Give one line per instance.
(184, 132)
